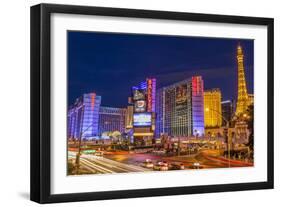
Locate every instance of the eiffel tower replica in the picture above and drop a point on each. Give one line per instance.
(243, 99)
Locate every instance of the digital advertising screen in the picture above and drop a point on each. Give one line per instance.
(140, 106)
(181, 96)
(142, 119)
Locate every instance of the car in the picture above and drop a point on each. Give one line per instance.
(159, 151)
(196, 165)
(176, 166)
(164, 163)
(148, 163)
(161, 165)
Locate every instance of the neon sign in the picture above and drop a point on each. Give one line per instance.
(151, 91)
(197, 85)
(93, 98)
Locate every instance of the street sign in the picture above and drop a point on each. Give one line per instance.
(89, 151)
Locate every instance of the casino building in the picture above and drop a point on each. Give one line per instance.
(83, 117)
(88, 119)
(111, 119)
(175, 110)
(212, 108)
(180, 108)
(143, 112)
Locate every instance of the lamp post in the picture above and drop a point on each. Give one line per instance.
(179, 149)
(226, 132)
(77, 161)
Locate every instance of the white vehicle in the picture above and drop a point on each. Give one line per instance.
(196, 165)
(159, 151)
(148, 163)
(162, 166)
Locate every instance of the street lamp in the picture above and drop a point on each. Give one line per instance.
(226, 133)
(227, 122)
(77, 161)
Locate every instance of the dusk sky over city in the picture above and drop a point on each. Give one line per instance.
(109, 64)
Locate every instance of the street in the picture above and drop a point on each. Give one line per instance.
(101, 165)
(206, 158)
(124, 162)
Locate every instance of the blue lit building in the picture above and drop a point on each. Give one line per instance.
(112, 119)
(83, 117)
(180, 108)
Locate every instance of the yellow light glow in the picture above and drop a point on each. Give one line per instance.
(212, 105)
(143, 134)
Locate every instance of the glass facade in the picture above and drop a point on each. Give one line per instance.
(227, 110)
(176, 110)
(74, 117)
(213, 109)
(91, 115)
(112, 119)
(83, 117)
(180, 108)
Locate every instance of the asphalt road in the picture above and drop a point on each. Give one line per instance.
(126, 162)
(206, 159)
(97, 164)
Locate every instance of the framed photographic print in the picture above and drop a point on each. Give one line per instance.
(133, 103)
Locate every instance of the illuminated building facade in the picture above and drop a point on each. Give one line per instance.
(111, 119)
(180, 108)
(129, 117)
(227, 110)
(74, 116)
(160, 112)
(83, 117)
(143, 101)
(241, 132)
(213, 110)
(250, 99)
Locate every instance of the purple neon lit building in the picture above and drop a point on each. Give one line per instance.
(83, 117)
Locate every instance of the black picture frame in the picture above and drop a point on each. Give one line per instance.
(41, 96)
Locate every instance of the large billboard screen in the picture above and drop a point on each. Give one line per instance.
(142, 119)
(140, 106)
(181, 96)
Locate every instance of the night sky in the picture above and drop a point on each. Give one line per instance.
(110, 63)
